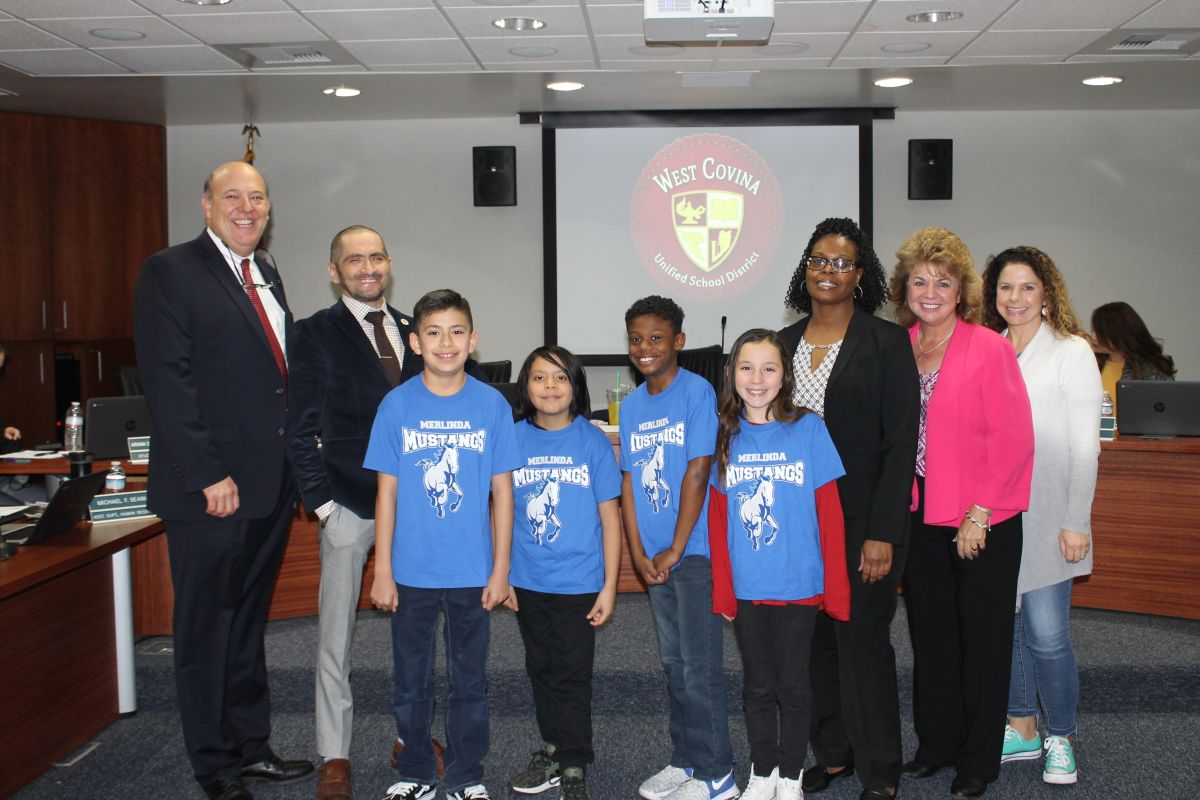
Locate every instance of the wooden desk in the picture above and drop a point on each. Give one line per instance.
(58, 635)
(60, 466)
(1146, 523)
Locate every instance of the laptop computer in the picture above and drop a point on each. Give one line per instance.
(68, 506)
(110, 421)
(1158, 408)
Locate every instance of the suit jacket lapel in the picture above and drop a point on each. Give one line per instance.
(352, 329)
(215, 262)
(854, 335)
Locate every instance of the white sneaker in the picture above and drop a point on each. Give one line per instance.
(408, 790)
(663, 782)
(723, 788)
(474, 792)
(789, 789)
(761, 787)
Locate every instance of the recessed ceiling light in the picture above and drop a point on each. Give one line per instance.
(117, 34)
(205, 2)
(342, 91)
(533, 52)
(906, 47)
(781, 48)
(893, 83)
(564, 86)
(519, 24)
(934, 16)
(1102, 80)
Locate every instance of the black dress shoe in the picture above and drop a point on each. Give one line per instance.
(878, 794)
(818, 777)
(227, 789)
(277, 770)
(919, 770)
(967, 787)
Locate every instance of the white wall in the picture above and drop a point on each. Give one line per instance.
(411, 181)
(1113, 197)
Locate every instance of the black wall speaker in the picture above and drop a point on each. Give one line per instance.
(930, 169)
(495, 176)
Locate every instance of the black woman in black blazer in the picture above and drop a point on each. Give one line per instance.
(872, 409)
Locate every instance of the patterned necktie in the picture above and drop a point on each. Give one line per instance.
(387, 354)
(252, 293)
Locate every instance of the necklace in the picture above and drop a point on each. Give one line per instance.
(933, 349)
(829, 346)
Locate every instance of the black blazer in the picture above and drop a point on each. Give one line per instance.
(336, 383)
(872, 410)
(218, 400)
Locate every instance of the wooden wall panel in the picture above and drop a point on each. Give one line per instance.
(24, 228)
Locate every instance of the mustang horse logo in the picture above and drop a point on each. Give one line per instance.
(755, 512)
(542, 512)
(653, 484)
(441, 480)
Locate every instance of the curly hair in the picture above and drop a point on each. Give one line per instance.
(942, 248)
(1058, 311)
(730, 404)
(1117, 326)
(872, 281)
(661, 307)
(569, 363)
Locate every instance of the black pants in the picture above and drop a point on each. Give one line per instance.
(223, 572)
(560, 646)
(775, 642)
(856, 707)
(960, 618)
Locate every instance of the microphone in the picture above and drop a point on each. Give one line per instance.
(724, 319)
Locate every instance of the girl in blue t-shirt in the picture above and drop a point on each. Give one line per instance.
(778, 553)
(565, 555)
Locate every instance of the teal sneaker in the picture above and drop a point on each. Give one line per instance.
(1060, 761)
(1017, 748)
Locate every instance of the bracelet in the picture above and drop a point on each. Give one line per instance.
(984, 526)
(986, 511)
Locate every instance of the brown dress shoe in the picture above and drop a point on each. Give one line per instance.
(333, 780)
(438, 750)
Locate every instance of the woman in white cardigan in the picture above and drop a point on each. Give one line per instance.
(1026, 299)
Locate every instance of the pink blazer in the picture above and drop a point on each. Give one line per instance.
(979, 432)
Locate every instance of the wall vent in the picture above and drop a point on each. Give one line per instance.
(1150, 44)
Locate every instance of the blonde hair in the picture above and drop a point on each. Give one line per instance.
(947, 252)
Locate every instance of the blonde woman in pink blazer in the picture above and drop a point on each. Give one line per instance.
(974, 463)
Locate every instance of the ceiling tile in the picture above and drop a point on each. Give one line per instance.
(1039, 15)
(477, 21)
(54, 9)
(423, 23)
(818, 17)
(979, 61)
(891, 64)
(616, 20)
(251, 28)
(17, 35)
(60, 62)
(357, 5)
(1032, 43)
(941, 43)
(569, 48)
(401, 69)
(167, 60)
(1169, 14)
(1118, 61)
(169, 7)
(890, 15)
(428, 51)
(680, 65)
(156, 30)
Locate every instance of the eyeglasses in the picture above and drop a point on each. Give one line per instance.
(820, 263)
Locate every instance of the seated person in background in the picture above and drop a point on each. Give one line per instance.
(1125, 350)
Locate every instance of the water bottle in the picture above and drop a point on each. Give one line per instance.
(1108, 421)
(1106, 405)
(114, 481)
(73, 428)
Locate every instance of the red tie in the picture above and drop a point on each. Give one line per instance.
(252, 293)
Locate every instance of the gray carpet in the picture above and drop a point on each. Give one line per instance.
(1139, 715)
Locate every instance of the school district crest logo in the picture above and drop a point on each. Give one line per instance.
(706, 217)
(707, 225)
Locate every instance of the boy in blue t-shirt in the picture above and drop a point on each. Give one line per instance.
(440, 445)
(668, 434)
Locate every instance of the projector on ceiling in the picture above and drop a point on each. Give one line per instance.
(709, 21)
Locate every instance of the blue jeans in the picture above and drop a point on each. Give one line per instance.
(690, 647)
(1043, 664)
(466, 638)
